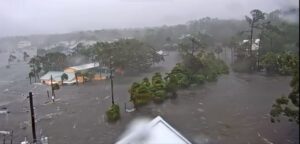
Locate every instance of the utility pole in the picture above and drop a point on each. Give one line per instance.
(52, 89)
(11, 137)
(32, 117)
(3, 138)
(111, 81)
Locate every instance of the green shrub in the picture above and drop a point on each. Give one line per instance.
(146, 82)
(224, 69)
(270, 62)
(158, 88)
(133, 91)
(171, 84)
(157, 79)
(181, 76)
(183, 80)
(159, 96)
(286, 63)
(211, 77)
(143, 95)
(113, 114)
(198, 79)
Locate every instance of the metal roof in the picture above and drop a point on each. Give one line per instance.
(156, 131)
(56, 75)
(85, 66)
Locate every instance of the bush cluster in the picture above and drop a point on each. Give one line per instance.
(279, 63)
(181, 76)
(113, 114)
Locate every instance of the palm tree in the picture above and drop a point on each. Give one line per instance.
(31, 74)
(77, 73)
(84, 75)
(35, 65)
(63, 77)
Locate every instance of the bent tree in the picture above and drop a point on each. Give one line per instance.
(256, 16)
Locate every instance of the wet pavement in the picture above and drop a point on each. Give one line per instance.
(232, 110)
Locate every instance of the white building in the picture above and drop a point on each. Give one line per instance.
(255, 45)
(156, 131)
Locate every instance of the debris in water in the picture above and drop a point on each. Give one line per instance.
(267, 141)
(5, 132)
(106, 97)
(258, 134)
(264, 139)
(4, 112)
(74, 125)
(48, 116)
(200, 110)
(44, 140)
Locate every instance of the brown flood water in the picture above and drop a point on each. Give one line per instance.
(233, 110)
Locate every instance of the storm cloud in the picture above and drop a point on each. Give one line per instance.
(24, 17)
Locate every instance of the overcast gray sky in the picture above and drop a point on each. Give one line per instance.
(23, 17)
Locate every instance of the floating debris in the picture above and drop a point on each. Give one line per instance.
(264, 139)
(4, 112)
(200, 110)
(5, 132)
(106, 97)
(48, 116)
(44, 140)
(129, 107)
(74, 125)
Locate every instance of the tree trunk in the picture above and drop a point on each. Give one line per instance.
(34, 74)
(100, 69)
(52, 90)
(30, 79)
(82, 79)
(76, 79)
(258, 53)
(251, 37)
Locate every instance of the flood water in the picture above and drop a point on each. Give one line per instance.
(234, 109)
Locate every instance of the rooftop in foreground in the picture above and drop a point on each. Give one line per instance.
(156, 131)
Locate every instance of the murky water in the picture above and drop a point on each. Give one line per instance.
(232, 110)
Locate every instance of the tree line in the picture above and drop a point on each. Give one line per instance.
(127, 55)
